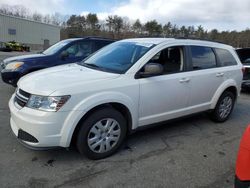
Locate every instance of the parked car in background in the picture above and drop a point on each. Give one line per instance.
(122, 87)
(63, 52)
(244, 55)
(242, 170)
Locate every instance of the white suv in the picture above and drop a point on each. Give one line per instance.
(124, 86)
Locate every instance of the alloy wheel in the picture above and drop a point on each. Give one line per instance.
(225, 107)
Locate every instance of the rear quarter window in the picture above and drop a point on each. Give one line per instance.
(225, 57)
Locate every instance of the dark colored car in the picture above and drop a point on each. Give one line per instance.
(63, 52)
(244, 55)
(242, 170)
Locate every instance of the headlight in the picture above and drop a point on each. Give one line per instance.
(51, 104)
(13, 65)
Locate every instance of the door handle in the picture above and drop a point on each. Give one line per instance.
(184, 80)
(220, 74)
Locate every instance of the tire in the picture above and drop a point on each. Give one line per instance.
(101, 134)
(222, 113)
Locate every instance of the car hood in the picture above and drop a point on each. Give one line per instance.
(47, 81)
(23, 58)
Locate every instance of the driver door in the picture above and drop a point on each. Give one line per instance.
(165, 96)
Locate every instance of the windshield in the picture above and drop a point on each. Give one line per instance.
(117, 57)
(56, 47)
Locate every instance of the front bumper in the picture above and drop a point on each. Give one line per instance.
(39, 129)
(11, 77)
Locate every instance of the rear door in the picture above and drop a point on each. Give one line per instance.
(206, 77)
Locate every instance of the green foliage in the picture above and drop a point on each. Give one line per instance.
(137, 26)
(92, 21)
(153, 28)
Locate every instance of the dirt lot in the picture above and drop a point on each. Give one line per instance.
(192, 152)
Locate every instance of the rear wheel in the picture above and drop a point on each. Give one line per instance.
(102, 133)
(224, 107)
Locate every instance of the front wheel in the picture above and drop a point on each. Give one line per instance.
(224, 107)
(102, 133)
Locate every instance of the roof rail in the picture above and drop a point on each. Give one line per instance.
(97, 37)
(196, 38)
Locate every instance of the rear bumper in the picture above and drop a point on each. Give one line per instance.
(241, 184)
(11, 77)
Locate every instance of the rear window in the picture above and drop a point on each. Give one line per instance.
(202, 57)
(225, 57)
(244, 55)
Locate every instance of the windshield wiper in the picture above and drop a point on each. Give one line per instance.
(90, 65)
(94, 66)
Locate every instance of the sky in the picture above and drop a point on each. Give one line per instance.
(219, 14)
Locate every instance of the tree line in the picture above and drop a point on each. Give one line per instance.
(117, 27)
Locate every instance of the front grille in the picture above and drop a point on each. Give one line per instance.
(26, 136)
(21, 97)
(24, 93)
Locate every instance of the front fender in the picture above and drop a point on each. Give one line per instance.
(89, 103)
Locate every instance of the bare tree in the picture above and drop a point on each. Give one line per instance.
(37, 17)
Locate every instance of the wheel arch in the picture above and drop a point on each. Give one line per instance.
(123, 103)
(123, 109)
(229, 85)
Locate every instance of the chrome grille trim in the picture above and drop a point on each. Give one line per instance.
(20, 99)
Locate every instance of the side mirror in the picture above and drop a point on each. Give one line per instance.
(64, 55)
(151, 69)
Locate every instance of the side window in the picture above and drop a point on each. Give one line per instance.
(85, 49)
(202, 57)
(172, 59)
(225, 57)
(72, 50)
(80, 49)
